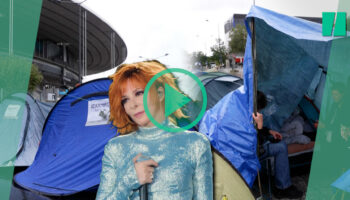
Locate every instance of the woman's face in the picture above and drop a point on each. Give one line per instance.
(132, 100)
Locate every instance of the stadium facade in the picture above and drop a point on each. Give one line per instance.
(72, 42)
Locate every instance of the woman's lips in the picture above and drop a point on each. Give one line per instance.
(137, 115)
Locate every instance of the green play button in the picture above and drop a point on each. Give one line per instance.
(173, 100)
(193, 108)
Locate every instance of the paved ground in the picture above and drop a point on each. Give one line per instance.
(299, 175)
(236, 71)
(300, 181)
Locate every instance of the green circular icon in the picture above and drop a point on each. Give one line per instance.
(175, 96)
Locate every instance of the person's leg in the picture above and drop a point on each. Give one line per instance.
(282, 174)
(297, 139)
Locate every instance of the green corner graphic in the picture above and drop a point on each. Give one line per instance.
(175, 100)
(19, 25)
(340, 24)
(329, 176)
(327, 23)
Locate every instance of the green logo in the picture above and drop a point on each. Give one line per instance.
(339, 26)
(175, 100)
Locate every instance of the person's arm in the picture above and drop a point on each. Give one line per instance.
(116, 183)
(203, 174)
(276, 134)
(259, 120)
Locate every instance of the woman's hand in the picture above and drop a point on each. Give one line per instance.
(144, 169)
(275, 134)
(259, 119)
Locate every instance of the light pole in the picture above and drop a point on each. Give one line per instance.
(219, 43)
(206, 49)
(166, 54)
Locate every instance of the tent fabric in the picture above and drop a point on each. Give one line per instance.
(299, 51)
(229, 127)
(309, 110)
(314, 83)
(217, 85)
(11, 110)
(293, 26)
(289, 52)
(70, 153)
(34, 115)
(317, 99)
(29, 142)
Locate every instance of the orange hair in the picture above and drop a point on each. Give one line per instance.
(139, 73)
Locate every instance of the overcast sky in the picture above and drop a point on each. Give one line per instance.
(151, 28)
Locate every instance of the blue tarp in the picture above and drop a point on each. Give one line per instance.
(289, 52)
(70, 153)
(229, 126)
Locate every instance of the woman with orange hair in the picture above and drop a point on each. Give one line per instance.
(175, 165)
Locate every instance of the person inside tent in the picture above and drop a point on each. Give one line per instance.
(293, 128)
(297, 133)
(278, 149)
(175, 165)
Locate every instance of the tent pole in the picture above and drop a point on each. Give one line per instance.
(252, 24)
(255, 82)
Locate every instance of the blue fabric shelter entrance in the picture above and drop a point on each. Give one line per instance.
(69, 157)
(291, 56)
(289, 52)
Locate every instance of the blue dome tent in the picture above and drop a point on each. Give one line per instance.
(75, 133)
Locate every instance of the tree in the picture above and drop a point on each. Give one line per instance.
(219, 52)
(35, 78)
(199, 58)
(238, 38)
(219, 55)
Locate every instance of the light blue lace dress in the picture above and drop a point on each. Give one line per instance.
(184, 169)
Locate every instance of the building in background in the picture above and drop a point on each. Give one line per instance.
(72, 42)
(229, 25)
(232, 23)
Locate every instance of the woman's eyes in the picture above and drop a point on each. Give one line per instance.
(138, 93)
(124, 101)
